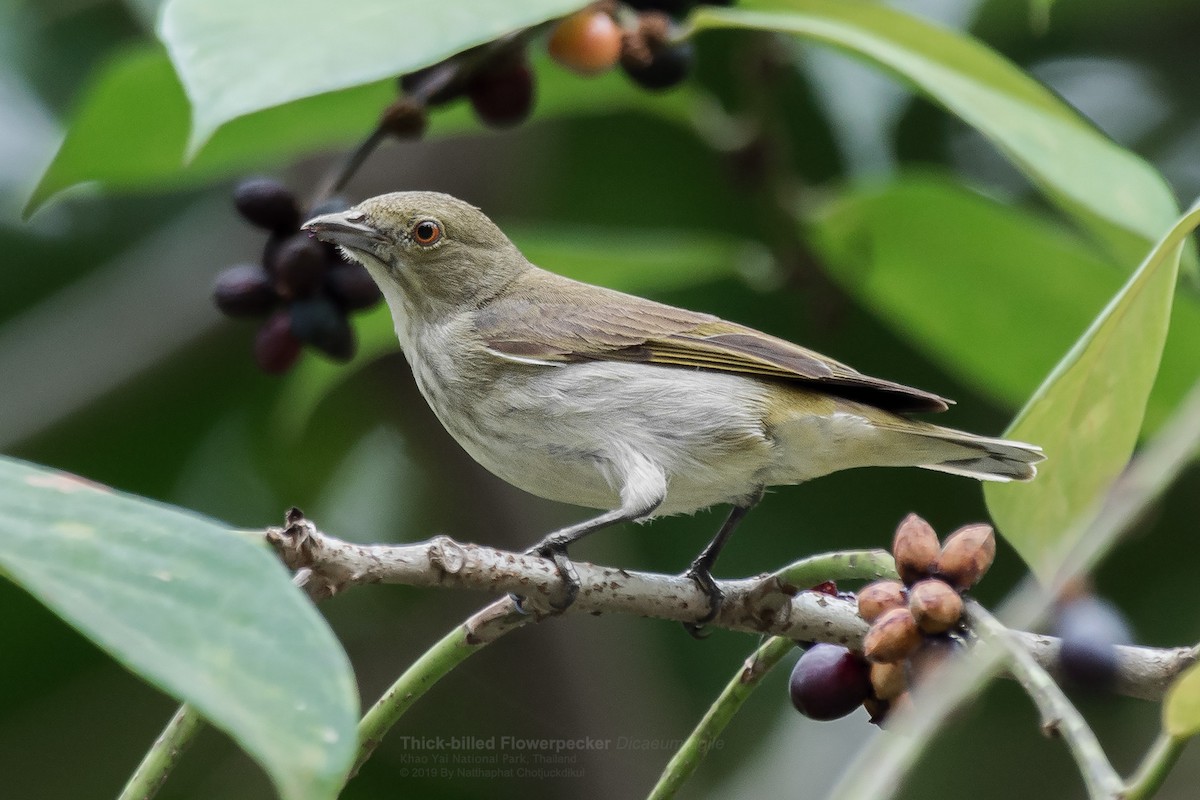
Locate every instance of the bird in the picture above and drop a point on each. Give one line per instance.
(589, 396)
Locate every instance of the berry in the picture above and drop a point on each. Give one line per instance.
(317, 321)
(666, 67)
(298, 265)
(892, 637)
(967, 555)
(405, 119)
(351, 287)
(1090, 629)
(587, 42)
(268, 204)
(888, 681)
(930, 656)
(276, 348)
(934, 605)
(876, 598)
(915, 549)
(829, 682)
(245, 291)
(502, 94)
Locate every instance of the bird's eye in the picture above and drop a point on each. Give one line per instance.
(426, 232)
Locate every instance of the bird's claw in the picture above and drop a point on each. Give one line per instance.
(701, 576)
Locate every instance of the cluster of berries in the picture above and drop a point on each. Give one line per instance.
(912, 624)
(303, 288)
(498, 81)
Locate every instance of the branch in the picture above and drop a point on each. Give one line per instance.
(765, 605)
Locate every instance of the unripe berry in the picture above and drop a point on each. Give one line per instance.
(967, 555)
(587, 42)
(888, 681)
(245, 290)
(892, 637)
(268, 204)
(276, 348)
(876, 598)
(829, 682)
(934, 605)
(915, 549)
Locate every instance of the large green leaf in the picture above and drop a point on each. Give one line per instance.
(1089, 411)
(203, 612)
(235, 58)
(642, 262)
(130, 130)
(1112, 192)
(993, 293)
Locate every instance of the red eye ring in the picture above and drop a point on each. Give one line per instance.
(427, 232)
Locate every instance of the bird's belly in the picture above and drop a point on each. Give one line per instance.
(554, 431)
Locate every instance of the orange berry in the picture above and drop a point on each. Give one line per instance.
(915, 549)
(878, 597)
(587, 42)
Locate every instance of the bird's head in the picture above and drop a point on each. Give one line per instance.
(430, 253)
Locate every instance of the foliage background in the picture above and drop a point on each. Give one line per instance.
(115, 366)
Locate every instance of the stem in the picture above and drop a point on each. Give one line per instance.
(691, 752)
(846, 565)
(1155, 767)
(160, 759)
(1059, 715)
(435, 663)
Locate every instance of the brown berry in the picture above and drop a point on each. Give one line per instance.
(876, 598)
(915, 549)
(934, 605)
(888, 681)
(587, 42)
(966, 556)
(892, 637)
(406, 118)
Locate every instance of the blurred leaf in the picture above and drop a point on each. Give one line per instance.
(1088, 412)
(1181, 707)
(1112, 192)
(235, 58)
(192, 607)
(641, 262)
(993, 293)
(130, 130)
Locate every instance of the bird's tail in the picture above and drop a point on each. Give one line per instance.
(980, 457)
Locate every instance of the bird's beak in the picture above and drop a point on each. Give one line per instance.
(347, 228)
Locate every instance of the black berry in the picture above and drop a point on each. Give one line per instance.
(502, 95)
(317, 321)
(1090, 629)
(276, 348)
(351, 287)
(268, 204)
(667, 67)
(829, 682)
(298, 265)
(245, 291)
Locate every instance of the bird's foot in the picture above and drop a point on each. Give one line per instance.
(557, 552)
(702, 577)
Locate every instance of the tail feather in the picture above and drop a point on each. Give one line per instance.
(993, 459)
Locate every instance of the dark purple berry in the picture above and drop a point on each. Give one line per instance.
(317, 321)
(829, 682)
(268, 204)
(276, 348)
(667, 67)
(351, 287)
(245, 290)
(1090, 629)
(298, 265)
(502, 94)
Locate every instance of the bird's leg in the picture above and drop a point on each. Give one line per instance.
(554, 545)
(701, 569)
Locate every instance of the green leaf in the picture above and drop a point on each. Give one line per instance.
(235, 58)
(641, 262)
(130, 131)
(1113, 193)
(1088, 413)
(1181, 707)
(200, 611)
